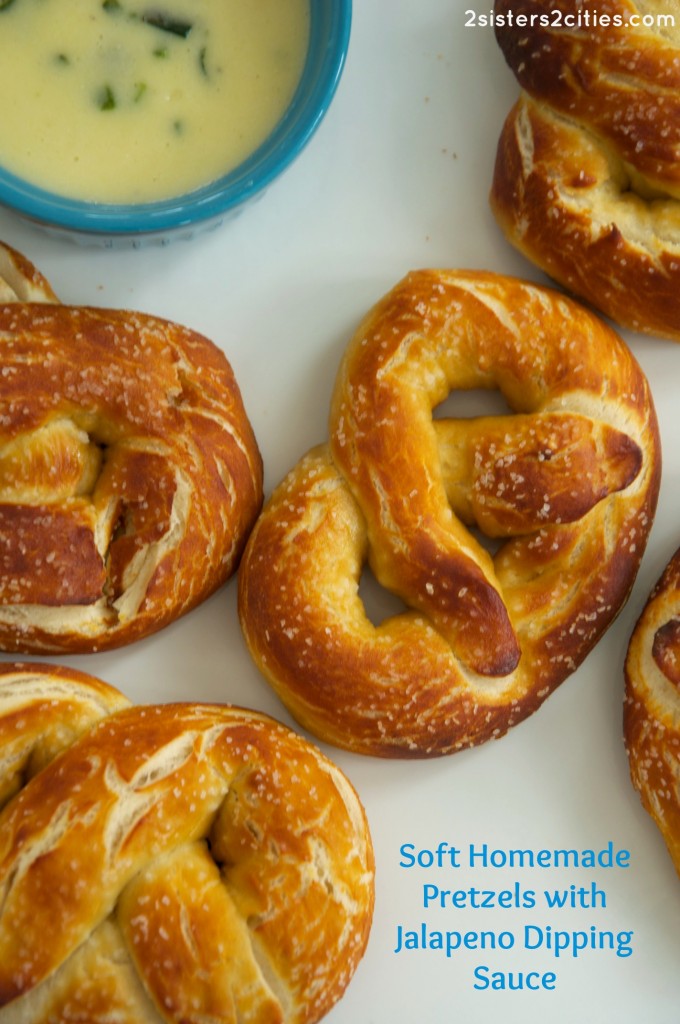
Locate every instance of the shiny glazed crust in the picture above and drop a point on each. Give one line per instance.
(587, 177)
(652, 707)
(174, 863)
(129, 473)
(565, 486)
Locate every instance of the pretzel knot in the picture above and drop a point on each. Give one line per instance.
(178, 863)
(129, 472)
(565, 485)
(652, 706)
(587, 177)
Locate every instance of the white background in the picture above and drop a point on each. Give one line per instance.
(396, 178)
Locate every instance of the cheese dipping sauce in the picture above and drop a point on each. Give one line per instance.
(131, 101)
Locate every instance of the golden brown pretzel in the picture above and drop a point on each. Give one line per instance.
(20, 281)
(587, 175)
(652, 706)
(129, 473)
(174, 863)
(567, 482)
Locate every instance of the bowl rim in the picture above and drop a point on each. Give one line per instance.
(330, 26)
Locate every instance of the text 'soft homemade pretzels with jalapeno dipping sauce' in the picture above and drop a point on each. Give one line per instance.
(129, 472)
(587, 174)
(565, 486)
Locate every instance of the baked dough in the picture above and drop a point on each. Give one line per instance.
(129, 472)
(564, 486)
(587, 175)
(173, 863)
(652, 706)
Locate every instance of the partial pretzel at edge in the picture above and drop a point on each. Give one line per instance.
(167, 863)
(586, 181)
(651, 719)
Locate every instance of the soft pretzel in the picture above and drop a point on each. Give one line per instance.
(129, 472)
(20, 281)
(652, 706)
(587, 175)
(177, 863)
(566, 483)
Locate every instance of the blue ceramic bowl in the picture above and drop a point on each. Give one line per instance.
(137, 224)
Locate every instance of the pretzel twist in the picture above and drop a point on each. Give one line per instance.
(129, 472)
(566, 484)
(587, 175)
(652, 706)
(175, 863)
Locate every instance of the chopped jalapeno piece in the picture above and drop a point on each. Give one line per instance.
(167, 23)
(106, 99)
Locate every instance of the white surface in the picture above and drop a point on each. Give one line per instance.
(397, 177)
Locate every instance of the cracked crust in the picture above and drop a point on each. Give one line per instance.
(129, 473)
(586, 181)
(564, 486)
(174, 863)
